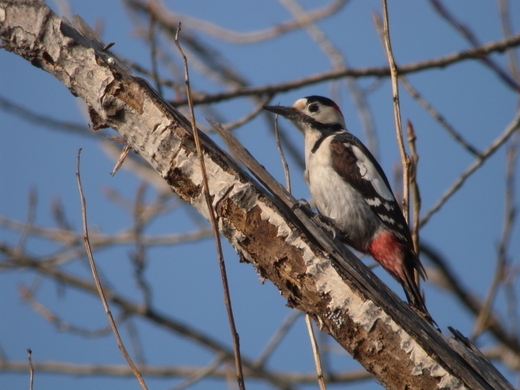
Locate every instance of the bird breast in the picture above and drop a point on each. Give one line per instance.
(337, 199)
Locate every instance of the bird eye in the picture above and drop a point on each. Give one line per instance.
(313, 107)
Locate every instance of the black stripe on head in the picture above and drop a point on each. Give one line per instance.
(323, 100)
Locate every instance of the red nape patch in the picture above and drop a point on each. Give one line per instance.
(388, 252)
(336, 107)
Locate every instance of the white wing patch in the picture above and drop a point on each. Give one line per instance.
(374, 202)
(369, 172)
(387, 218)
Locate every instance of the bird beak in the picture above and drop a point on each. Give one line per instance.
(287, 112)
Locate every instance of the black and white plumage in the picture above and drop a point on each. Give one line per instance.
(349, 186)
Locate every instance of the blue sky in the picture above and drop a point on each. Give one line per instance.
(466, 230)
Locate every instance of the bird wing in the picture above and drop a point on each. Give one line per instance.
(356, 165)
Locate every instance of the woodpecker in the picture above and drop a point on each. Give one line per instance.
(349, 187)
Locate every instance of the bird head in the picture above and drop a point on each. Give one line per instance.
(312, 113)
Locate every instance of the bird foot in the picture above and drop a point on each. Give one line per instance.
(321, 220)
(303, 205)
(326, 224)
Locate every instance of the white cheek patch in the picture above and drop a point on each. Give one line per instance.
(369, 172)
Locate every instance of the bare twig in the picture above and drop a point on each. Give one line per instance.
(282, 156)
(502, 261)
(98, 283)
(121, 159)
(315, 353)
(511, 216)
(59, 215)
(153, 48)
(277, 337)
(258, 109)
(31, 214)
(97, 239)
(60, 324)
(138, 257)
(394, 74)
(211, 211)
(448, 280)
(438, 116)
(203, 372)
(472, 39)
(31, 369)
(135, 342)
(167, 371)
(29, 115)
(433, 63)
(158, 318)
(170, 20)
(505, 19)
(499, 141)
(414, 185)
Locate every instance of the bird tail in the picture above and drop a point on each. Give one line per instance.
(410, 284)
(402, 263)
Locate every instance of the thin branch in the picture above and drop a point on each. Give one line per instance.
(31, 214)
(135, 342)
(59, 216)
(60, 324)
(433, 63)
(285, 166)
(258, 109)
(505, 20)
(158, 371)
(153, 48)
(438, 117)
(414, 185)
(394, 74)
(315, 353)
(138, 257)
(499, 141)
(97, 239)
(171, 19)
(501, 263)
(448, 280)
(121, 159)
(31, 369)
(98, 283)
(200, 374)
(277, 337)
(41, 120)
(472, 39)
(156, 317)
(214, 223)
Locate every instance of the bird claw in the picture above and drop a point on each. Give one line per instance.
(302, 204)
(326, 224)
(321, 220)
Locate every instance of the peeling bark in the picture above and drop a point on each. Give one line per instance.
(313, 273)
